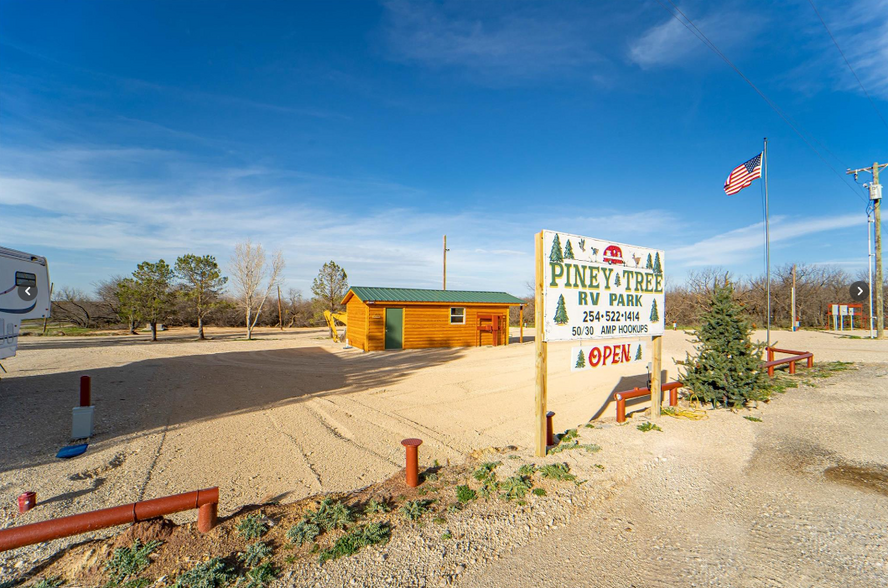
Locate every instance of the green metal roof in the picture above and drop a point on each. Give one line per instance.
(370, 294)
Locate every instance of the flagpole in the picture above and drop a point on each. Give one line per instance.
(767, 239)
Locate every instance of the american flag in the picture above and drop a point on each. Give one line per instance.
(742, 175)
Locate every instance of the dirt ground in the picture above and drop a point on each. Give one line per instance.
(293, 414)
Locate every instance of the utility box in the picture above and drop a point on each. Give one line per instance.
(82, 422)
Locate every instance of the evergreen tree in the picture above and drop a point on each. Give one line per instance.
(727, 369)
(556, 255)
(152, 293)
(638, 354)
(658, 268)
(649, 264)
(617, 280)
(561, 312)
(655, 316)
(201, 283)
(581, 360)
(568, 251)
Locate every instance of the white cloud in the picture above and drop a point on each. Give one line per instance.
(671, 43)
(500, 42)
(740, 245)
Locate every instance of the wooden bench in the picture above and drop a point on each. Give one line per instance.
(621, 397)
(794, 357)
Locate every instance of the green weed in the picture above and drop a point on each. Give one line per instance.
(485, 470)
(414, 509)
(255, 553)
(446, 535)
(53, 582)
(130, 561)
(539, 491)
(648, 426)
(439, 520)
(210, 574)
(465, 494)
(590, 447)
(369, 534)
(752, 418)
(377, 506)
(259, 576)
(527, 469)
(303, 532)
(515, 487)
(330, 515)
(557, 471)
(252, 527)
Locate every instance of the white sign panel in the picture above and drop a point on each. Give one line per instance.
(595, 289)
(598, 355)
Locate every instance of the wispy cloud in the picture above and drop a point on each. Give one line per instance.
(670, 43)
(737, 246)
(499, 42)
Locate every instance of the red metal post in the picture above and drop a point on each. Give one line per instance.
(85, 391)
(770, 371)
(412, 446)
(27, 501)
(207, 516)
(770, 355)
(811, 361)
(550, 434)
(109, 517)
(673, 397)
(792, 367)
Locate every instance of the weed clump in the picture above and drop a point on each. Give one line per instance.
(330, 515)
(515, 487)
(214, 573)
(127, 562)
(414, 509)
(648, 426)
(558, 471)
(255, 554)
(539, 491)
(252, 527)
(752, 418)
(53, 582)
(377, 506)
(303, 532)
(369, 534)
(259, 577)
(465, 494)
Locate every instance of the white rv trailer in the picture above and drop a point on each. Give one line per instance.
(24, 294)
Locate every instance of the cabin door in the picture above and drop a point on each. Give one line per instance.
(394, 328)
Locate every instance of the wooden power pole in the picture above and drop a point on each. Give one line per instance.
(792, 319)
(280, 314)
(445, 262)
(876, 197)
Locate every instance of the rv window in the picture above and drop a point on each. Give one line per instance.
(25, 279)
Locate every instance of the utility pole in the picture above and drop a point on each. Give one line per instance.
(875, 191)
(280, 314)
(792, 324)
(445, 261)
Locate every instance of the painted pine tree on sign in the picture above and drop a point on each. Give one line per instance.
(581, 360)
(560, 312)
(658, 268)
(568, 251)
(638, 354)
(655, 316)
(556, 255)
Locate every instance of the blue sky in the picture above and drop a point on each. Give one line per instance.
(362, 132)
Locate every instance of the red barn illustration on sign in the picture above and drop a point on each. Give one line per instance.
(613, 255)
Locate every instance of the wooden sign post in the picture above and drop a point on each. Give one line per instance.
(541, 351)
(589, 289)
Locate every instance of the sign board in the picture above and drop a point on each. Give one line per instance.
(598, 355)
(843, 310)
(595, 289)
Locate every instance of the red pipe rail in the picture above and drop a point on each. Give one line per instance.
(794, 357)
(621, 397)
(206, 501)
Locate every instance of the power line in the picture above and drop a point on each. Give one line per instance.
(842, 53)
(794, 126)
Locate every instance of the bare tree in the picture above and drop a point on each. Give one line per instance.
(249, 269)
(73, 305)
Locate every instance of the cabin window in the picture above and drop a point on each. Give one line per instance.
(457, 316)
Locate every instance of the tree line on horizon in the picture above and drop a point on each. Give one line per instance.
(194, 291)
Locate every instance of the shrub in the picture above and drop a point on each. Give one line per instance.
(485, 470)
(514, 487)
(127, 562)
(527, 469)
(331, 515)
(259, 577)
(377, 506)
(252, 527)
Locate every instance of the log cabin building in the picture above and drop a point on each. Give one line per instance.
(409, 318)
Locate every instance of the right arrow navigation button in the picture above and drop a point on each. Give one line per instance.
(859, 291)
